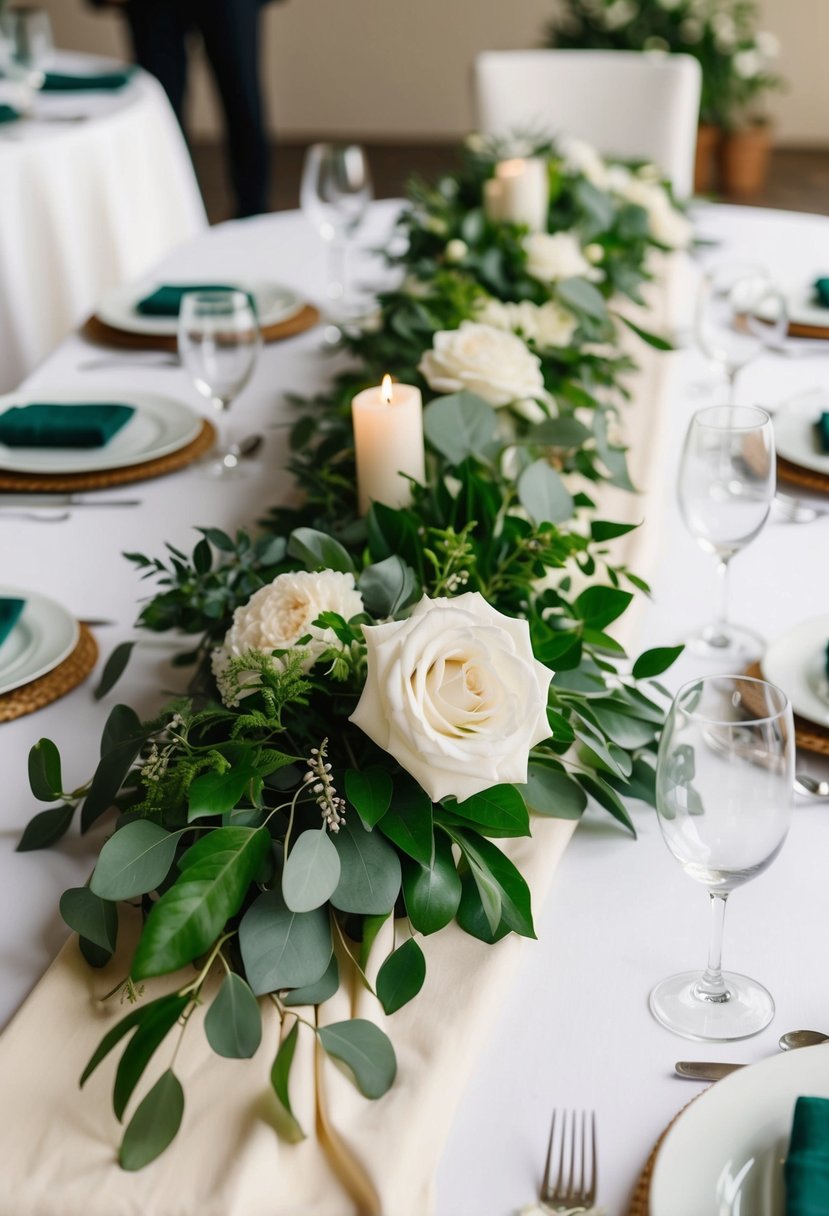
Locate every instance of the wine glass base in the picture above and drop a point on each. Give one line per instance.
(729, 643)
(747, 1010)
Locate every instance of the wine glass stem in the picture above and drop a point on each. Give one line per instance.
(711, 986)
(722, 567)
(223, 445)
(731, 374)
(338, 271)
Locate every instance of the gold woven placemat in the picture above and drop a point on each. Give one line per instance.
(808, 735)
(797, 330)
(96, 330)
(101, 479)
(640, 1200)
(56, 683)
(807, 479)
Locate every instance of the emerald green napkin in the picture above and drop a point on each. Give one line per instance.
(807, 1165)
(42, 425)
(8, 113)
(822, 291)
(10, 611)
(165, 301)
(77, 82)
(823, 431)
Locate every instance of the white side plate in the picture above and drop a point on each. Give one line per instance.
(43, 637)
(796, 662)
(273, 304)
(796, 435)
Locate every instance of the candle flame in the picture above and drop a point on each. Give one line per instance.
(386, 391)
(511, 168)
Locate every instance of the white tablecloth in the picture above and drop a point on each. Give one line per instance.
(85, 205)
(575, 1030)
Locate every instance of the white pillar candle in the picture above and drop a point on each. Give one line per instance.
(388, 443)
(522, 195)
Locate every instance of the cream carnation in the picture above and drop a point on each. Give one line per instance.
(551, 257)
(455, 695)
(482, 359)
(547, 325)
(278, 615)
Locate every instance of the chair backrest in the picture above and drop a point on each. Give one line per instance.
(626, 103)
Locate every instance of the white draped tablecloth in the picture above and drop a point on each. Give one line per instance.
(95, 187)
(573, 1027)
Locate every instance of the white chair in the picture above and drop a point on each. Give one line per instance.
(626, 103)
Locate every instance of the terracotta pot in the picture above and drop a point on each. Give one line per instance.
(744, 161)
(708, 141)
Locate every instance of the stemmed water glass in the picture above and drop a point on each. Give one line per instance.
(335, 193)
(726, 488)
(218, 343)
(724, 794)
(739, 312)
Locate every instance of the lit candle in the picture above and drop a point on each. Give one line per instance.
(519, 193)
(388, 443)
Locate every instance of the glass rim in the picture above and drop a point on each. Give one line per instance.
(758, 410)
(742, 679)
(215, 297)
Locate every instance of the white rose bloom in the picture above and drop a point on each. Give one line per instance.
(619, 14)
(768, 44)
(547, 324)
(556, 256)
(475, 142)
(594, 253)
(455, 695)
(456, 250)
(748, 64)
(667, 225)
(581, 157)
(618, 178)
(278, 615)
(484, 360)
(691, 30)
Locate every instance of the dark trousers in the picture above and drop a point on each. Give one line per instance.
(230, 32)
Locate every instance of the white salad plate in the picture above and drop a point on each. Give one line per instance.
(159, 426)
(44, 635)
(796, 435)
(274, 304)
(724, 1155)
(796, 662)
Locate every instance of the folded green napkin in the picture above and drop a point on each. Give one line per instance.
(78, 82)
(807, 1165)
(822, 291)
(10, 611)
(42, 425)
(8, 113)
(165, 301)
(822, 425)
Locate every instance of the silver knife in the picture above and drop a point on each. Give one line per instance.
(695, 1070)
(66, 501)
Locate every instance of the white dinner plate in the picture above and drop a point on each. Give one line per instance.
(160, 425)
(273, 305)
(796, 436)
(801, 307)
(724, 1155)
(796, 662)
(43, 636)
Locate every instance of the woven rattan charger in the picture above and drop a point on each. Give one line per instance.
(96, 330)
(56, 683)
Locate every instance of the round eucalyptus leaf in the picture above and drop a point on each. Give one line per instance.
(135, 860)
(233, 1023)
(312, 871)
(154, 1124)
(401, 976)
(366, 1052)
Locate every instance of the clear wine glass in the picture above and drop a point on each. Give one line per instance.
(335, 193)
(739, 312)
(726, 487)
(218, 343)
(724, 794)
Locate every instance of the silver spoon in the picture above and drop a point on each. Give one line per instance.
(811, 787)
(151, 360)
(801, 1038)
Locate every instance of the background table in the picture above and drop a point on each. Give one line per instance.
(96, 187)
(575, 1030)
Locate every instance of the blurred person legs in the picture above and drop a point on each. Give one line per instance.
(230, 33)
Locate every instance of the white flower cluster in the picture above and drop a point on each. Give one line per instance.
(546, 325)
(278, 616)
(553, 257)
(490, 362)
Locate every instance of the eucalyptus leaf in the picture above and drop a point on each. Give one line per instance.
(388, 586)
(370, 874)
(401, 976)
(319, 551)
(233, 1023)
(90, 916)
(316, 993)
(582, 297)
(311, 872)
(286, 1122)
(44, 771)
(281, 948)
(365, 1050)
(550, 791)
(134, 861)
(113, 669)
(46, 827)
(543, 494)
(215, 875)
(459, 426)
(154, 1125)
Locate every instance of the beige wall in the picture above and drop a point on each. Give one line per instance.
(401, 68)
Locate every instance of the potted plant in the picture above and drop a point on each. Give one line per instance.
(737, 62)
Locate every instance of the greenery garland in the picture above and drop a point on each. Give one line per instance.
(271, 819)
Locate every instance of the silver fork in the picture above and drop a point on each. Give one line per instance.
(576, 1145)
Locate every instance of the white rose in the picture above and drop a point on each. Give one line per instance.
(581, 157)
(455, 695)
(748, 64)
(768, 44)
(456, 250)
(667, 225)
(484, 360)
(547, 324)
(554, 257)
(278, 615)
(476, 143)
(594, 253)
